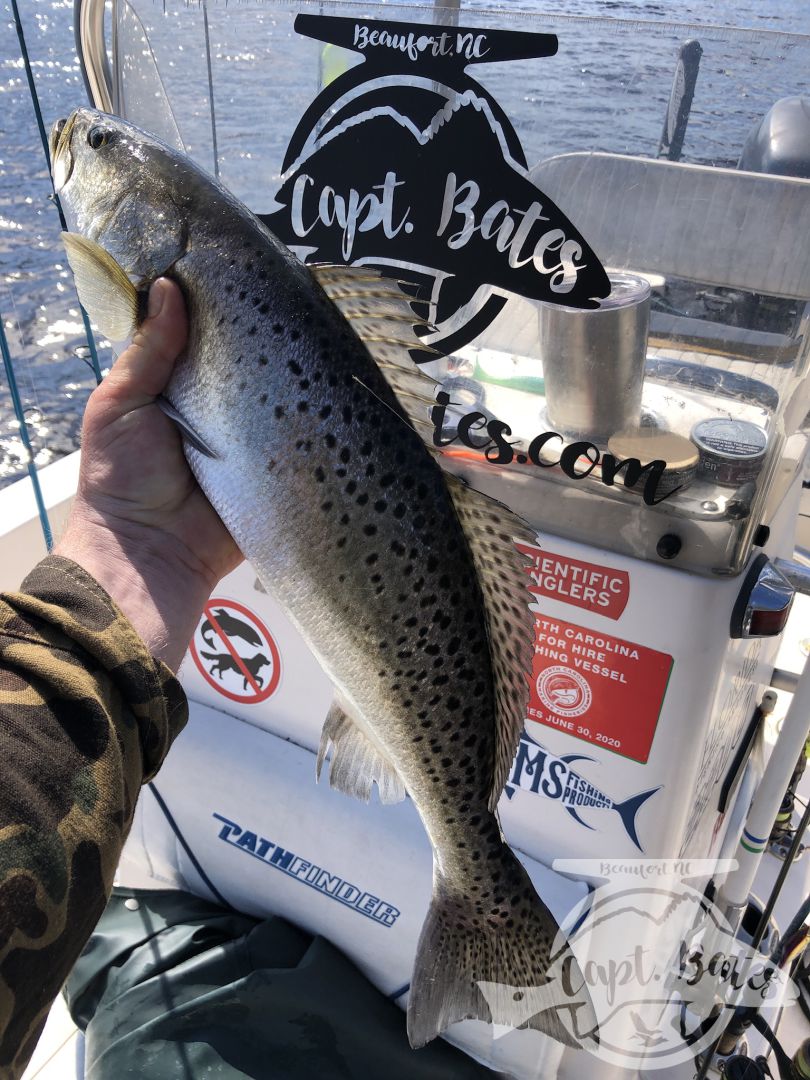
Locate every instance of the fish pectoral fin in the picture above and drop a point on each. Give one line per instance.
(105, 291)
(186, 430)
(356, 763)
(390, 325)
(491, 529)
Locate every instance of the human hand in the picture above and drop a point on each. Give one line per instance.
(140, 523)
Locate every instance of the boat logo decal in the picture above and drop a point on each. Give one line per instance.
(307, 873)
(537, 770)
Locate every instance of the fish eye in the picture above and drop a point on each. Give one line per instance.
(98, 137)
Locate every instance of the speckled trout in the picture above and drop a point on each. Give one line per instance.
(293, 398)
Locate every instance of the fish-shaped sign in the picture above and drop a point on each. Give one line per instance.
(537, 770)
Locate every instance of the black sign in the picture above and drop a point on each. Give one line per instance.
(407, 164)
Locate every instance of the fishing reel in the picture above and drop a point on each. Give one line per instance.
(740, 1067)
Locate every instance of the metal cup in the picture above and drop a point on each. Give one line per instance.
(593, 361)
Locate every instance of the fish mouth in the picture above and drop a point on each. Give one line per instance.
(61, 157)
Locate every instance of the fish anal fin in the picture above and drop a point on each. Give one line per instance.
(105, 291)
(356, 763)
(491, 529)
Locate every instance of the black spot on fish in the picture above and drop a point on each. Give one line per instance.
(295, 335)
(370, 530)
(345, 455)
(242, 294)
(278, 329)
(252, 331)
(263, 309)
(319, 474)
(295, 368)
(326, 505)
(304, 384)
(330, 440)
(229, 288)
(303, 406)
(341, 541)
(278, 411)
(351, 487)
(362, 499)
(325, 412)
(263, 399)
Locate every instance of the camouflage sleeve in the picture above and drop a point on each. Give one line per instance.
(86, 717)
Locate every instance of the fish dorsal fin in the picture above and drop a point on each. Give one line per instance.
(491, 530)
(356, 762)
(383, 317)
(105, 291)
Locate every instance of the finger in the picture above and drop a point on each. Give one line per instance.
(144, 368)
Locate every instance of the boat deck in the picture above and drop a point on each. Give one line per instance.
(60, 1053)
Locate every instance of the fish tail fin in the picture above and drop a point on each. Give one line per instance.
(627, 811)
(510, 965)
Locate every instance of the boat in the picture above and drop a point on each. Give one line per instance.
(623, 354)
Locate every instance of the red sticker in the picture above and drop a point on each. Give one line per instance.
(597, 687)
(583, 584)
(235, 652)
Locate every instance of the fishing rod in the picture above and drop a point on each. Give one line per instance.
(32, 89)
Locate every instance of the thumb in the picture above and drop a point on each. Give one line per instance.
(144, 368)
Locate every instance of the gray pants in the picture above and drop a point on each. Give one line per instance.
(176, 988)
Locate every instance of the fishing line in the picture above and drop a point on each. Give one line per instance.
(32, 89)
(211, 89)
(32, 386)
(23, 423)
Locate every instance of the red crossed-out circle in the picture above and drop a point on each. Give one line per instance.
(257, 692)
